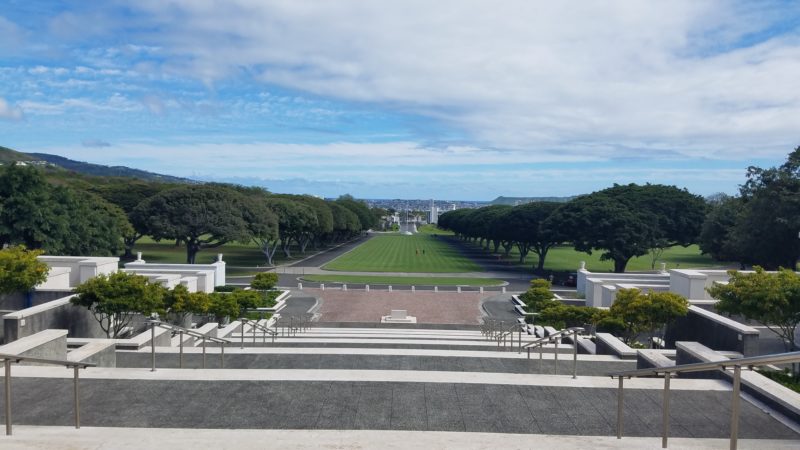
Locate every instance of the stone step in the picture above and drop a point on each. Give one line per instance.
(385, 343)
(448, 363)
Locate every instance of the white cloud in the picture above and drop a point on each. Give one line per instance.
(538, 76)
(9, 112)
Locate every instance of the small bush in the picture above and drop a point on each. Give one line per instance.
(538, 297)
(225, 288)
(264, 281)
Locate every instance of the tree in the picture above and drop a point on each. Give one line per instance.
(20, 270)
(201, 216)
(767, 231)
(115, 299)
(772, 299)
(224, 306)
(646, 312)
(597, 222)
(57, 219)
(360, 209)
(180, 303)
(264, 281)
(127, 196)
(263, 227)
(320, 227)
(538, 296)
(345, 222)
(718, 237)
(532, 232)
(629, 220)
(295, 221)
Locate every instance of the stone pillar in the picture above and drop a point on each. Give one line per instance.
(436, 289)
(139, 257)
(504, 290)
(663, 267)
(344, 287)
(458, 289)
(322, 286)
(390, 288)
(366, 288)
(300, 286)
(481, 290)
(413, 289)
(582, 265)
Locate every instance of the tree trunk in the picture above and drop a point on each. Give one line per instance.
(496, 245)
(540, 265)
(192, 248)
(620, 264)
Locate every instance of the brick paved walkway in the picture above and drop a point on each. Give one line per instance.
(427, 307)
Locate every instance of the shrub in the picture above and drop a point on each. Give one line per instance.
(538, 297)
(264, 281)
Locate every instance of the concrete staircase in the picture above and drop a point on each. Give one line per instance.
(387, 378)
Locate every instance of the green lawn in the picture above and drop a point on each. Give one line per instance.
(399, 253)
(566, 259)
(433, 229)
(234, 254)
(405, 281)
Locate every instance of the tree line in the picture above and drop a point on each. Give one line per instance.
(105, 218)
(759, 227)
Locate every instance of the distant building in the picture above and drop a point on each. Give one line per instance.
(433, 216)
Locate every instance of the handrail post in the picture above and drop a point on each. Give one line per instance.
(77, 399)
(519, 339)
(242, 333)
(620, 400)
(737, 379)
(222, 355)
(204, 352)
(7, 364)
(555, 369)
(153, 345)
(575, 355)
(180, 359)
(665, 412)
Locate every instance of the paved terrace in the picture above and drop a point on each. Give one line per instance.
(427, 307)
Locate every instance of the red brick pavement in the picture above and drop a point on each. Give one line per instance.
(427, 307)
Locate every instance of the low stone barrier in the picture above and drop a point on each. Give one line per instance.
(608, 344)
(47, 344)
(714, 331)
(56, 314)
(101, 353)
(648, 359)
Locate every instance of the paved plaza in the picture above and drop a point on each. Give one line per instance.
(428, 307)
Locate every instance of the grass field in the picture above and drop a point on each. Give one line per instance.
(404, 281)
(566, 259)
(433, 229)
(399, 253)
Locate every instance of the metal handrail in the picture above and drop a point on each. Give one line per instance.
(301, 324)
(257, 326)
(736, 364)
(502, 334)
(8, 359)
(556, 338)
(181, 330)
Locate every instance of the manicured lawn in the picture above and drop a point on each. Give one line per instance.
(433, 229)
(398, 253)
(405, 281)
(566, 259)
(234, 254)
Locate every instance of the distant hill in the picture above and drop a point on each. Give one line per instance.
(514, 201)
(8, 155)
(43, 159)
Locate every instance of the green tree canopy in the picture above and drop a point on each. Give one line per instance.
(202, 216)
(57, 219)
(114, 299)
(772, 299)
(360, 209)
(648, 312)
(20, 270)
(264, 281)
(295, 221)
(179, 302)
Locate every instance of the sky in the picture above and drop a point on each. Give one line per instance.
(450, 99)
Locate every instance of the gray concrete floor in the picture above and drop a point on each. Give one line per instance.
(382, 406)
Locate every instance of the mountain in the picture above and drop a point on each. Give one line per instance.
(43, 159)
(514, 201)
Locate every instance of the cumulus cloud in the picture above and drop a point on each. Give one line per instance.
(8, 111)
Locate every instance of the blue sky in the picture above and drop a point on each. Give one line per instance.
(413, 99)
